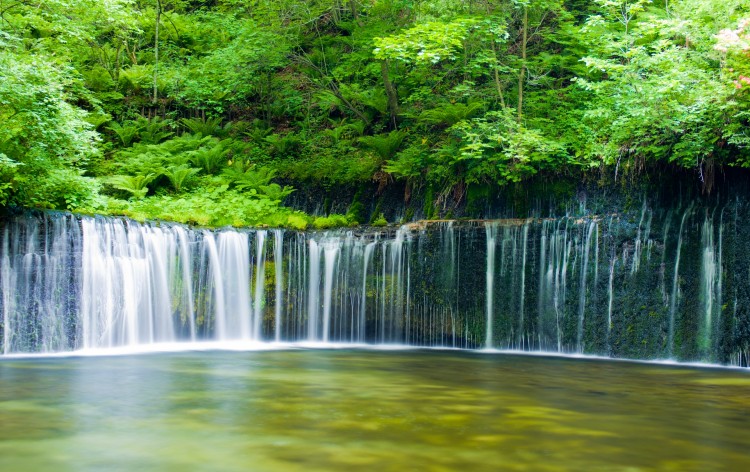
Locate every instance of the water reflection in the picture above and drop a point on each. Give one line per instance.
(318, 410)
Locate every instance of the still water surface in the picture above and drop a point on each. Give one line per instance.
(363, 410)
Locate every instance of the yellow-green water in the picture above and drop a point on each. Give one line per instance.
(360, 410)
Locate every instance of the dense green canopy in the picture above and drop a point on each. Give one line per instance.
(193, 110)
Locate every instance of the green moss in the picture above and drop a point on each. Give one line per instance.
(356, 212)
(429, 207)
(379, 221)
(408, 216)
(331, 221)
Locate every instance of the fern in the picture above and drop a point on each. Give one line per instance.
(450, 114)
(127, 131)
(336, 134)
(276, 192)
(283, 145)
(250, 178)
(210, 159)
(375, 99)
(258, 135)
(154, 131)
(179, 176)
(385, 145)
(205, 127)
(136, 185)
(357, 128)
(98, 119)
(247, 178)
(343, 130)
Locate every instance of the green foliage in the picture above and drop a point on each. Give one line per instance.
(212, 205)
(126, 132)
(379, 220)
(256, 181)
(180, 176)
(206, 127)
(212, 157)
(497, 147)
(283, 146)
(154, 131)
(356, 212)
(384, 145)
(136, 185)
(429, 42)
(332, 221)
(450, 114)
(423, 92)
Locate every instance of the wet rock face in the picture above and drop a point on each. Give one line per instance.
(652, 282)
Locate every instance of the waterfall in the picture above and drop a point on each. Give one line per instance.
(610, 301)
(711, 283)
(70, 283)
(260, 281)
(313, 293)
(491, 230)
(583, 286)
(278, 257)
(219, 314)
(675, 287)
(367, 258)
(331, 252)
(185, 292)
(521, 316)
(235, 268)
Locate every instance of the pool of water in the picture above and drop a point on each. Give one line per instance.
(362, 410)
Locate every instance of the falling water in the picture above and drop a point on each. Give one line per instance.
(525, 244)
(221, 329)
(675, 287)
(610, 300)
(491, 230)
(711, 283)
(367, 258)
(260, 283)
(331, 251)
(583, 287)
(70, 283)
(313, 294)
(234, 266)
(278, 257)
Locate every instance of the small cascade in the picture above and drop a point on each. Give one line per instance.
(491, 230)
(367, 261)
(126, 284)
(232, 269)
(278, 258)
(618, 285)
(213, 286)
(313, 294)
(260, 285)
(331, 251)
(184, 292)
(711, 283)
(522, 341)
(610, 301)
(583, 287)
(675, 285)
(40, 267)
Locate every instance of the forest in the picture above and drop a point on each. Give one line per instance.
(214, 113)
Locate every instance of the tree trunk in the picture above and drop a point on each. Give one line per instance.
(355, 12)
(495, 72)
(390, 92)
(522, 72)
(498, 84)
(156, 51)
(353, 8)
